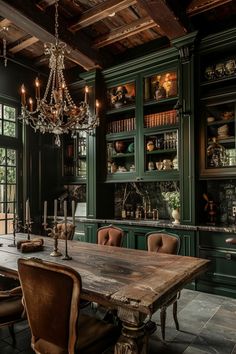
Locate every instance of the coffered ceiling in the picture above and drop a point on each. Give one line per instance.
(100, 33)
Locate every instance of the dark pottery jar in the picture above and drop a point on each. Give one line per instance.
(120, 146)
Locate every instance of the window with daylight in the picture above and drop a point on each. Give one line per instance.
(7, 120)
(8, 166)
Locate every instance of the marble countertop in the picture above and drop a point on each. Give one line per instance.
(160, 223)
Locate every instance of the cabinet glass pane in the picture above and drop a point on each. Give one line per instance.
(161, 151)
(68, 161)
(81, 164)
(160, 86)
(120, 156)
(74, 156)
(220, 149)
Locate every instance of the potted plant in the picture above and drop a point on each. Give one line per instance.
(173, 200)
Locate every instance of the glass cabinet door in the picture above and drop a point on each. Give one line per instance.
(74, 157)
(121, 156)
(220, 135)
(81, 164)
(161, 151)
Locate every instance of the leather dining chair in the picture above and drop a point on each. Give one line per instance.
(110, 235)
(11, 307)
(163, 242)
(51, 294)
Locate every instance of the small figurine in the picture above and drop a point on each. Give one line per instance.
(160, 91)
(167, 84)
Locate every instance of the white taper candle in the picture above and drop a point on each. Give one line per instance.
(55, 210)
(45, 212)
(73, 211)
(65, 211)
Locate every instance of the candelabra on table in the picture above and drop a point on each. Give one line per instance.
(28, 227)
(53, 232)
(66, 257)
(16, 228)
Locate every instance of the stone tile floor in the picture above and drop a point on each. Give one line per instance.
(207, 326)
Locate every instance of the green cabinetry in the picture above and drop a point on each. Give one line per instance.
(221, 276)
(218, 107)
(142, 126)
(74, 163)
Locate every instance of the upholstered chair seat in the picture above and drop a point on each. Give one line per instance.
(110, 236)
(52, 299)
(162, 242)
(11, 308)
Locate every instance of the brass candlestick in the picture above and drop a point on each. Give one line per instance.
(28, 228)
(54, 234)
(66, 257)
(16, 228)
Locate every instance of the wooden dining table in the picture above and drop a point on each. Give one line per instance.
(135, 283)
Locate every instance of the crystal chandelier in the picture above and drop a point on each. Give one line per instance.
(56, 112)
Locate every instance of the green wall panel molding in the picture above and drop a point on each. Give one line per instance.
(218, 41)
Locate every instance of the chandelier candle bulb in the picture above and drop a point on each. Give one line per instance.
(55, 210)
(23, 95)
(97, 107)
(45, 213)
(86, 94)
(30, 104)
(37, 89)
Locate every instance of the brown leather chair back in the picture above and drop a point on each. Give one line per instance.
(70, 231)
(163, 242)
(51, 295)
(110, 236)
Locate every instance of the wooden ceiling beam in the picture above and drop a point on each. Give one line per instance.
(198, 6)
(43, 4)
(5, 23)
(24, 44)
(41, 60)
(125, 31)
(24, 15)
(99, 12)
(164, 17)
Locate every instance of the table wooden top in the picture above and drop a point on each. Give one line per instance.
(115, 276)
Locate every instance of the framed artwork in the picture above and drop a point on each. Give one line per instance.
(161, 86)
(121, 95)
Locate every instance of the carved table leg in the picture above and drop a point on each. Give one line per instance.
(133, 339)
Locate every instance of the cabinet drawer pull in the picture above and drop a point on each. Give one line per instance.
(228, 256)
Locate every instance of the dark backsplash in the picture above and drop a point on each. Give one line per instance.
(132, 195)
(223, 193)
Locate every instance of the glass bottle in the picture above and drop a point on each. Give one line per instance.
(215, 154)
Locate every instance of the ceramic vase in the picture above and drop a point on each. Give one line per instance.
(176, 216)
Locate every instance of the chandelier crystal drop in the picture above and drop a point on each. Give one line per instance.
(4, 29)
(56, 112)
